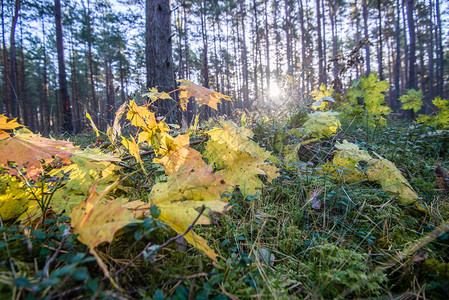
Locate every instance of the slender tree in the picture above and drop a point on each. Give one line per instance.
(158, 53)
(63, 89)
(14, 96)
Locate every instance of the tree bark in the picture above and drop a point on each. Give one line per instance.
(14, 93)
(244, 58)
(158, 54)
(63, 90)
(380, 46)
(6, 100)
(411, 84)
(320, 45)
(367, 45)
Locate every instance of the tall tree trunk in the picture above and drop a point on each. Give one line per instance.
(411, 84)
(440, 64)
(406, 52)
(26, 107)
(288, 36)
(158, 54)
(205, 70)
(244, 58)
(320, 45)
(186, 46)
(397, 64)
(45, 105)
(430, 50)
(14, 96)
(267, 48)
(367, 45)
(323, 29)
(303, 46)
(333, 16)
(357, 31)
(256, 50)
(6, 99)
(63, 90)
(94, 103)
(380, 46)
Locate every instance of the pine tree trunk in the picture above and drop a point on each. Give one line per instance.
(397, 64)
(6, 99)
(63, 90)
(303, 47)
(45, 106)
(365, 28)
(440, 63)
(411, 84)
(430, 50)
(267, 48)
(380, 47)
(244, 58)
(320, 45)
(14, 93)
(158, 54)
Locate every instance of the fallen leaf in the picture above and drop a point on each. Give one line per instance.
(30, 152)
(97, 222)
(7, 125)
(203, 95)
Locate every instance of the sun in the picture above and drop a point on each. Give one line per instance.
(275, 91)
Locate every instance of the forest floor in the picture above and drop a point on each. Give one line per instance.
(304, 235)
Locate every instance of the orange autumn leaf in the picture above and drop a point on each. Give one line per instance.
(204, 95)
(30, 151)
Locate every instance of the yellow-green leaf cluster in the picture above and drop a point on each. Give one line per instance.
(371, 90)
(322, 96)
(88, 167)
(352, 164)
(412, 100)
(322, 124)
(440, 119)
(239, 159)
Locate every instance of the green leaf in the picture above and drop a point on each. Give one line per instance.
(412, 100)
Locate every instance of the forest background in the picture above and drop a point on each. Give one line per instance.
(260, 52)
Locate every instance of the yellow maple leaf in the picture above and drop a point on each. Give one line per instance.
(140, 116)
(203, 95)
(133, 149)
(14, 200)
(7, 125)
(176, 152)
(97, 222)
(180, 197)
(237, 139)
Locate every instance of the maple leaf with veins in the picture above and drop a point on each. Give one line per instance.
(203, 95)
(180, 198)
(30, 151)
(176, 153)
(97, 222)
(7, 125)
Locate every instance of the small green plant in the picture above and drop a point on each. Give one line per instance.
(412, 100)
(366, 98)
(440, 118)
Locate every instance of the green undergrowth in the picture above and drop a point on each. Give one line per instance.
(303, 236)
